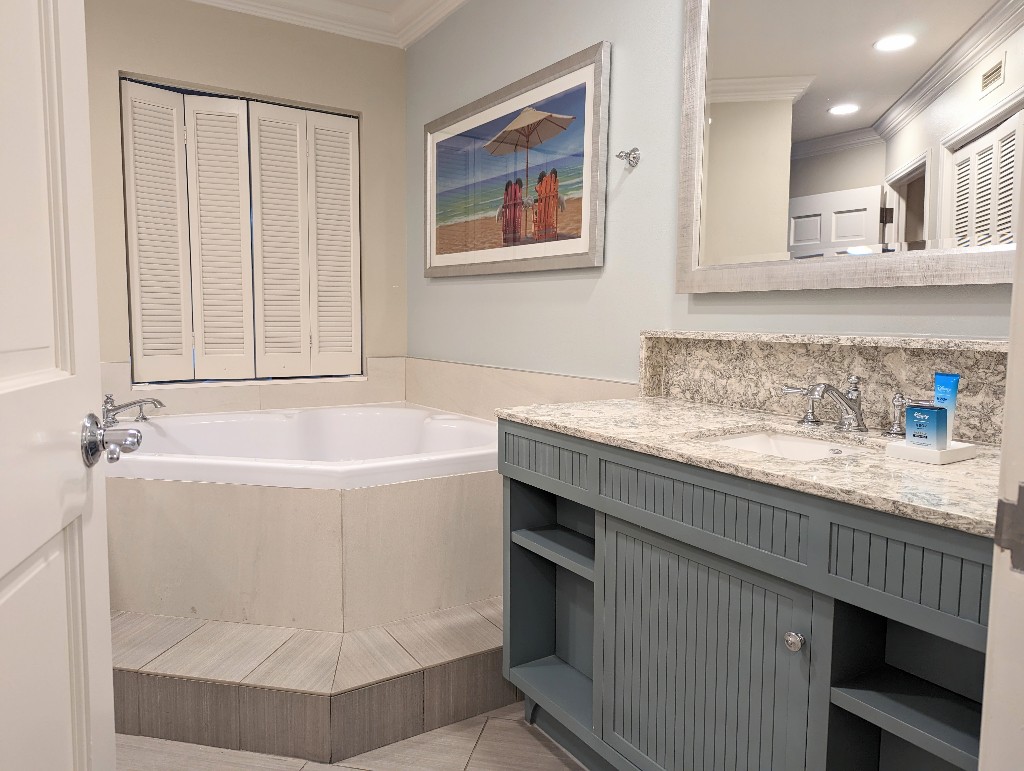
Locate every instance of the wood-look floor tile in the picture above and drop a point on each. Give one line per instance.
(283, 723)
(221, 650)
(491, 609)
(138, 638)
(306, 662)
(375, 716)
(441, 750)
(191, 711)
(115, 613)
(445, 635)
(126, 702)
(465, 687)
(369, 656)
(509, 744)
(142, 753)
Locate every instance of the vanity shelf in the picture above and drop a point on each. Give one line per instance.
(566, 548)
(939, 721)
(560, 688)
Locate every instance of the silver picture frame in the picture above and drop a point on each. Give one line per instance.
(597, 56)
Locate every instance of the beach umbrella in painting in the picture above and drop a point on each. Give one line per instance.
(529, 129)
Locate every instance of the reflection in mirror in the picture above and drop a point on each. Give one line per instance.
(838, 129)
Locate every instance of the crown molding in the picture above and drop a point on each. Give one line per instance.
(848, 140)
(758, 89)
(400, 28)
(994, 28)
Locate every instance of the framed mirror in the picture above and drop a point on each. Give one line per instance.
(829, 145)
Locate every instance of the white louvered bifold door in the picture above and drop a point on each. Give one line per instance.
(218, 195)
(986, 187)
(333, 182)
(156, 211)
(280, 240)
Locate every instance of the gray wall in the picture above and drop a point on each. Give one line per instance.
(588, 322)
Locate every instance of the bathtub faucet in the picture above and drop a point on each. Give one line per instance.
(111, 410)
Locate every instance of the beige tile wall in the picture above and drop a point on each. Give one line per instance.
(477, 390)
(334, 560)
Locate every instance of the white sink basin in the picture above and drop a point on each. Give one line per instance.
(788, 446)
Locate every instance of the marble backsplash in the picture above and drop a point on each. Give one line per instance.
(748, 370)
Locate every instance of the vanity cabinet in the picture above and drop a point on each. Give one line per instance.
(694, 672)
(649, 603)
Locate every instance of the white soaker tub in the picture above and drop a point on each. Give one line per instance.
(327, 448)
(336, 518)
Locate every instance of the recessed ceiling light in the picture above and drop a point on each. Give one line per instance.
(895, 42)
(844, 109)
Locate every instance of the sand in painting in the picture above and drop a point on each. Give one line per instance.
(485, 232)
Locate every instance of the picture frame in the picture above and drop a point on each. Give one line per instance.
(516, 180)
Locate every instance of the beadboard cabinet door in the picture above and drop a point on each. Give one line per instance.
(696, 671)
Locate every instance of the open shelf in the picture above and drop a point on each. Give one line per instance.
(562, 690)
(560, 545)
(932, 718)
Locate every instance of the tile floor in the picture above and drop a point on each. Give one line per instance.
(495, 741)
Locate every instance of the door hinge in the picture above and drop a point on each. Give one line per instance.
(888, 215)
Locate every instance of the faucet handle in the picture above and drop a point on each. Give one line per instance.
(108, 400)
(853, 392)
(793, 391)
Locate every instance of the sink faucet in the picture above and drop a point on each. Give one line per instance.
(111, 410)
(851, 415)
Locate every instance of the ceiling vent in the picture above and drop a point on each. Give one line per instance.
(994, 76)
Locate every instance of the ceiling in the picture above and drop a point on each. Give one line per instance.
(833, 42)
(392, 22)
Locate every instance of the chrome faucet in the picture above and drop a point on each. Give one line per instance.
(111, 410)
(851, 415)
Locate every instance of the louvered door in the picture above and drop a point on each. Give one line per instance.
(156, 213)
(986, 187)
(280, 240)
(696, 675)
(333, 175)
(218, 182)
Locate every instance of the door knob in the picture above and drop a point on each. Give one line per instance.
(97, 441)
(794, 641)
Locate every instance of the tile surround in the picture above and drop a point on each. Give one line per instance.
(747, 370)
(221, 650)
(449, 634)
(306, 662)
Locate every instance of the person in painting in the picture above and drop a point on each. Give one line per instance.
(506, 215)
(517, 203)
(510, 214)
(546, 218)
(538, 205)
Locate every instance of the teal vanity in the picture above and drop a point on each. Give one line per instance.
(675, 603)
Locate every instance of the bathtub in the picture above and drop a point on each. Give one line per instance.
(329, 448)
(334, 519)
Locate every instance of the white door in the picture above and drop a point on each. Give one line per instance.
(828, 224)
(1002, 716)
(56, 705)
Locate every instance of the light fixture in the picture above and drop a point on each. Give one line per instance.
(895, 42)
(844, 109)
(860, 250)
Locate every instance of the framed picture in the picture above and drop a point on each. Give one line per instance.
(516, 180)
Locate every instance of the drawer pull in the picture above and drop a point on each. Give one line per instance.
(794, 641)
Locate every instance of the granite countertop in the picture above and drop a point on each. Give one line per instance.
(961, 496)
(921, 343)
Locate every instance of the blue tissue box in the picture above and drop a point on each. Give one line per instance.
(926, 427)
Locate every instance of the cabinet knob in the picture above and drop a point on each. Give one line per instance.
(794, 641)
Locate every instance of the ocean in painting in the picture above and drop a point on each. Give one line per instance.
(484, 198)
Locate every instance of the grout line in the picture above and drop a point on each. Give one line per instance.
(205, 622)
(337, 663)
(476, 744)
(279, 647)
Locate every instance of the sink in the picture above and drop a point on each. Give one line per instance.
(788, 446)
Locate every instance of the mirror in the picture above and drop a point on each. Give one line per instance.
(836, 139)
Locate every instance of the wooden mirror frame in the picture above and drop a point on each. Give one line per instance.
(929, 267)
